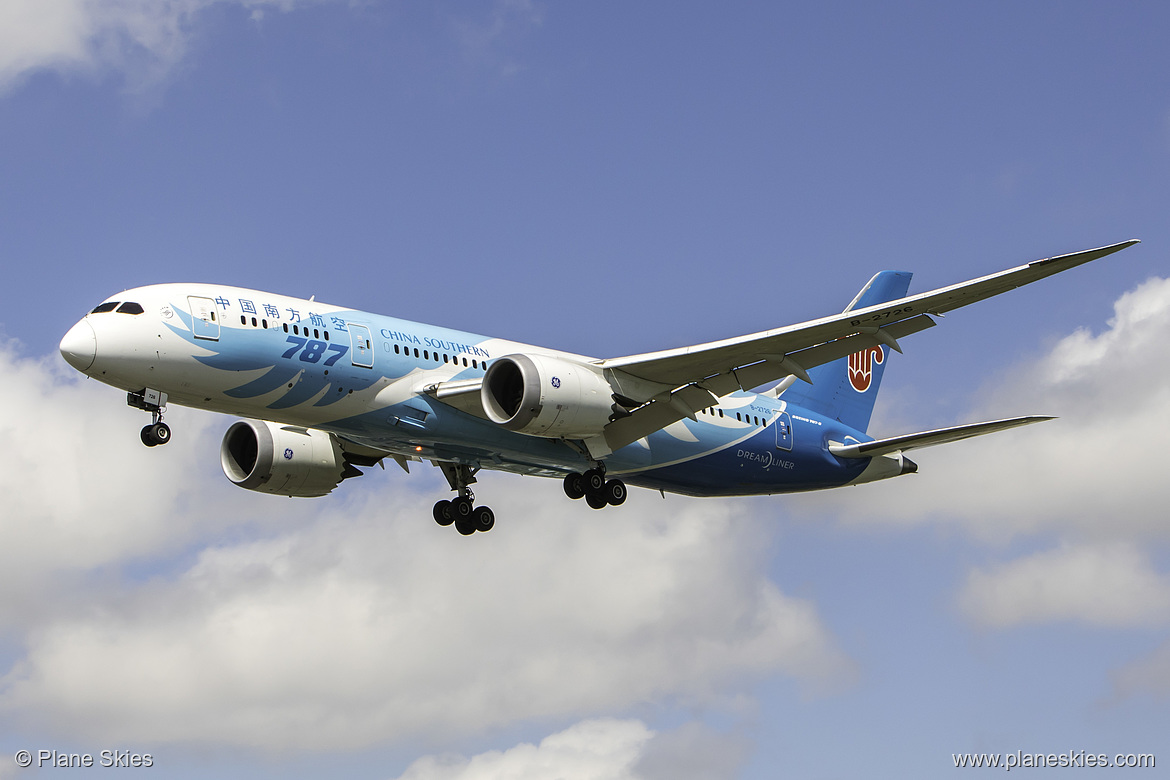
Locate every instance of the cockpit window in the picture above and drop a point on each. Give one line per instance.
(130, 308)
(105, 307)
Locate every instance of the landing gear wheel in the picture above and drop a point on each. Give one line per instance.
(615, 492)
(461, 508)
(465, 524)
(594, 480)
(444, 514)
(485, 519)
(574, 486)
(596, 499)
(156, 434)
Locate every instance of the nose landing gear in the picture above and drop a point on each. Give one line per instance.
(155, 402)
(155, 434)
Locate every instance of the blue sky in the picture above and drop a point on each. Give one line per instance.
(606, 179)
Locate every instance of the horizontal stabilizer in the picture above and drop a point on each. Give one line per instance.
(910, 441)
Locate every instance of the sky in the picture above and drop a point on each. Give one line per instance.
(607, 179)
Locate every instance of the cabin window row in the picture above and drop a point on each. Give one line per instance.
(739, 416)
(426, 354)
(297, 330)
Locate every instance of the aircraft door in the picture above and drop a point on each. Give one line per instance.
(362, 350)
(204, 318)
(783, 431)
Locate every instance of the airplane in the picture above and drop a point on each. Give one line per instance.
(324, 390)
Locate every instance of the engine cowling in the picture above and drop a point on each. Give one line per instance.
(540, 395)
(283, 459)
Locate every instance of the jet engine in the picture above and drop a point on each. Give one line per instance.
(540, 395)
(283, 459)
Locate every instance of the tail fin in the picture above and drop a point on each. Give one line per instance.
(847, 388)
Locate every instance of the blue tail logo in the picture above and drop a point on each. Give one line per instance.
(861, 367)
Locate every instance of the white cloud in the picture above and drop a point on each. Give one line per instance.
(591, 750)
(142, 39)
(1110, 585)
(375, 624)
(601, 749)
(78, 491)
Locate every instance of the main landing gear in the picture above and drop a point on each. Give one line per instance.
(155, 402)
(597, 491)
(462, 511)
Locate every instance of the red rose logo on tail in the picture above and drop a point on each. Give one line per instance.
(861, 367)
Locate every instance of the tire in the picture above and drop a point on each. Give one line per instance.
(485, 519)
(594, 481)
(574, 486)
(596, 499)
(615, 492)
(160, 432)
(147, 437)
(461, 507)
(465, 525)
(443, 513)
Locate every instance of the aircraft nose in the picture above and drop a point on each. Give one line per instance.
(79, 347)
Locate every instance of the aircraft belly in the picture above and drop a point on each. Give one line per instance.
(726, 462)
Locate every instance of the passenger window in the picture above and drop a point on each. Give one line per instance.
(130, 308)
(105, 307)
(253, 322)
(286, 327)
(465, 362)
(316, 333)
(416, 353)
(395, 349)
(326, 335)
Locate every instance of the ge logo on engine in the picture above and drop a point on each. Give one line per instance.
(556, 381)
(288, 453)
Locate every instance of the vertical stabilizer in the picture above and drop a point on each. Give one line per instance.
(847, 388)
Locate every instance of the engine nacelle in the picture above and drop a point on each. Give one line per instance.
(283, 459)
(541, 395)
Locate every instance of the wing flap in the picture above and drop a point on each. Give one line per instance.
(873, 449)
